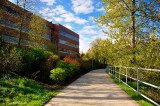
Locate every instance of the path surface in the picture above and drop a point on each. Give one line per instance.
(93, 89)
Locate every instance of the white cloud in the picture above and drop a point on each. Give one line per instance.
(59, 10)
(69, 17)
(91, 18)
(59, 14)
(57, 19)
(88, 30)
(100, 9)
(49, 2)
(82, 6)
(88, 34)
(68, 26)
(11, 0)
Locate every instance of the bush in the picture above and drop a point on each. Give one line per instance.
(86, 65)
(72, 70)
(58, 75)
(11, 58)
(69, 59)
(35, 63)
(62, 64)
(52, 62)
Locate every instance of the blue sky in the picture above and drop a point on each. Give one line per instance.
(77, 15)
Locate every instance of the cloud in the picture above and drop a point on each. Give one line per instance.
(70, 17)
(100, 9)
(11, 0)
(59, 14)
(68, 26)
(88, 34)
(88, 30)
(82, 6)
(57, 19)
(49, 2)
(91, 18)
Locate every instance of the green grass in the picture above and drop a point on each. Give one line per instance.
(18, 91)
(142, 101)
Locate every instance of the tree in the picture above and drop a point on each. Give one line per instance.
(38, 32)
(130, 19)
(24, 15)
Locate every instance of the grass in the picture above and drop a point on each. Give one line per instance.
(142, 101)
(18, 91)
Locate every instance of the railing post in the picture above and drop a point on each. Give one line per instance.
(119, 74)
(112, 69)
(115, 72)
(137, 81)
(126, 75)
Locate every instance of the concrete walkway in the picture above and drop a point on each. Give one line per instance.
(95, 88)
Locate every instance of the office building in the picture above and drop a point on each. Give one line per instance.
(13, 17)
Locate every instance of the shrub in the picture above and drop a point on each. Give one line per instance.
(52, 61)
(11, 59)
(72, 69)
(61, 64)
(35, 63)
(58, 75)
(86, 65)
(69, 59)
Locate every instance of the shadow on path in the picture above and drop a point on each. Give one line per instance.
(95, 88)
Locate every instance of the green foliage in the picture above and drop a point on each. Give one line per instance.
(52, 61)
(18, 91)
(62, 64)
(52, 47)
(11, 58)
(38, 31)
(58, 75)
(71, 69)
(132, 39)
(86, 65)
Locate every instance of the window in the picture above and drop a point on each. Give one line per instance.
(10, 39)
(67, 51)
(68, 35)
(13, 25)
(68, 43)
(10, 10)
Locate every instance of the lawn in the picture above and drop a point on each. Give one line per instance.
(19, 91)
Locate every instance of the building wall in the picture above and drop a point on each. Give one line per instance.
(11, 17)
(68, 41)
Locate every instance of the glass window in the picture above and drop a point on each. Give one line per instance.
(68, 35)
(13, 25)
(68, 43)
(10, 39)
(10, 10)
(67, 51)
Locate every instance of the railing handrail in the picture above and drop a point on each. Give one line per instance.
(114, 72)
(147, 69)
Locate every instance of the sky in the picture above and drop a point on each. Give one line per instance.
(77, 15)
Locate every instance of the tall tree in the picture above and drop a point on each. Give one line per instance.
(130, 19)
(26, 5)
(38, 32)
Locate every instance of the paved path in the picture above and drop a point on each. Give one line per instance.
(95, 88)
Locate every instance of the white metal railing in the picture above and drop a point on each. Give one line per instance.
(116, 71)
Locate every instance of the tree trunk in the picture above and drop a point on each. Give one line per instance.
(21, 22)
(133, 31)
(133, 25)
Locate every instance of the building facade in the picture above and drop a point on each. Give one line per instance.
(13, 17)
(68, 41)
